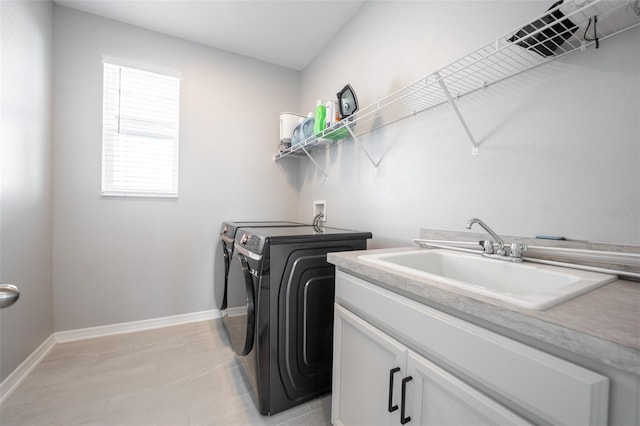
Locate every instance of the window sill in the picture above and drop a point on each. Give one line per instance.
(111, 194)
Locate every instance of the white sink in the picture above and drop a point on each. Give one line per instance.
(529, 285)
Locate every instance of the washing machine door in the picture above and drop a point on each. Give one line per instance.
(239, 317)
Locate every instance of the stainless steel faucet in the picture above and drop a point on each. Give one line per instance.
(515, 249)
(495, 236)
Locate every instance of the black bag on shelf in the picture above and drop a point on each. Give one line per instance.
(546, 41)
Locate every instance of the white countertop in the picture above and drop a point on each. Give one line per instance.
(602, 325)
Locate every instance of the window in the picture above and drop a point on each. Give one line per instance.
(139, 132)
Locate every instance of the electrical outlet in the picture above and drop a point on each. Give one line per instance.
(320, 207)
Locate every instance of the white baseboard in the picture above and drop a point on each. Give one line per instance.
(236, 311)
(19, 375)
(129, 327)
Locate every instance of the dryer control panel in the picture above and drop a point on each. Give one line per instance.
(249, 241)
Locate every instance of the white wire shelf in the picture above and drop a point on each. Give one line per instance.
(568, 28)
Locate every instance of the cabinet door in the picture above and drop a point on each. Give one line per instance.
(363, 361)
(439, 398)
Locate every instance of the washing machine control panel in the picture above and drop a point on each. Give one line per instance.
(228, 230)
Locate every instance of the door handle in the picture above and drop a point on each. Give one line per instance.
(403, 419)
(392, 407)
(9, 295)
(251, 307)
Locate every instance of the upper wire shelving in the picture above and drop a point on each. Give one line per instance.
(567, 28)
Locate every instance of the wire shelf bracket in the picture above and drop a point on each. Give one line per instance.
(373, 162)
(315, 163)
(445, 90)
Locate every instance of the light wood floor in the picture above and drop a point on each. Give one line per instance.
(181, 375)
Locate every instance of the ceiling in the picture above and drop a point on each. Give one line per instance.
(289, 33)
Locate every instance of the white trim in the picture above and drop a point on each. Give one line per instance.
(139, 194)
(129, 63)
(130, 327)
(19, 375)
(236, 311)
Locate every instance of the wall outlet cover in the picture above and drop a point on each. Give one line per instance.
(320, 206)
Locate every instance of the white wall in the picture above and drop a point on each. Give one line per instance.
(559, 154)
(26, 31)
(119, 260)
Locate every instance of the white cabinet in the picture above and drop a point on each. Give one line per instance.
(439, 398)
(378, 381)
(364, 359)
(454, 372)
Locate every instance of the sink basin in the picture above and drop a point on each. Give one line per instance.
(528, 285)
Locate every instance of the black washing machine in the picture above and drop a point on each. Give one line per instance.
(281, 322)
(224, 251)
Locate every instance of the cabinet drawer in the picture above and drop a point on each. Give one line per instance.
(551, 388)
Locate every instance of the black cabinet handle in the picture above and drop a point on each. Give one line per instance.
(403, 419)
(392, 407)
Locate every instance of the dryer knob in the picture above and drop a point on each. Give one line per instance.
(245, 239)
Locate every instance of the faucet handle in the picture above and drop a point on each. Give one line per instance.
(487, 245)
(517, 249)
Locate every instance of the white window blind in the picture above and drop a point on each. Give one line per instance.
(140, 133)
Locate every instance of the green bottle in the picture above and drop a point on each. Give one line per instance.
(320, 118)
